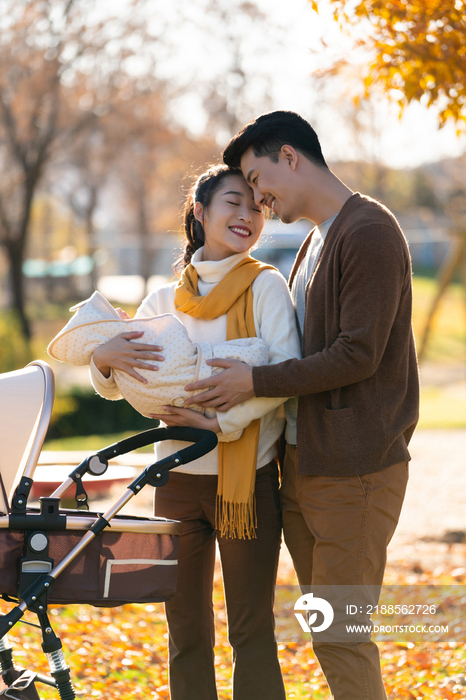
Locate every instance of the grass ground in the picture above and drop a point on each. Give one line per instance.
(447, 342)
(442, 407)
(91, 442)
(443, 371)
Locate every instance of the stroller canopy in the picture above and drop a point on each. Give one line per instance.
(26, 399)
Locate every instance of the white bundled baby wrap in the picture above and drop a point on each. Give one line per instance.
(96, 321)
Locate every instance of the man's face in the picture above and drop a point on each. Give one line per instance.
(272, 184)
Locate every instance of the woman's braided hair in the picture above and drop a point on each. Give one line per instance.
(202, 191)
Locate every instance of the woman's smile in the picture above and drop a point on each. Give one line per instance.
(242, 231)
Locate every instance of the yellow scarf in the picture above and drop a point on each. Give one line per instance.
(235, 513)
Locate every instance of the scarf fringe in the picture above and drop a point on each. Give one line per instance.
(237, 520)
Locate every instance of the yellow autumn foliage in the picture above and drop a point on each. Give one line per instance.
(417, 47)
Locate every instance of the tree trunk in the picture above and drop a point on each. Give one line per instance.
(146, 252)
(91, 235)
(15, 253)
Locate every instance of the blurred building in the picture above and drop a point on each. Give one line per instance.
(429, 239)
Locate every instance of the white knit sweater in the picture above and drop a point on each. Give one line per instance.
(275, 323)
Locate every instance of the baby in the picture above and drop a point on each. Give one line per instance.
(96, 321)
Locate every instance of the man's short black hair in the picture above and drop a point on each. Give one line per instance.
(268, 133)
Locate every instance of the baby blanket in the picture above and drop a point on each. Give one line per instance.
(96, 321)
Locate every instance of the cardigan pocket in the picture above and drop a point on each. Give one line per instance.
(340, 426)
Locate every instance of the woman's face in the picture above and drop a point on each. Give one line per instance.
(232, 222)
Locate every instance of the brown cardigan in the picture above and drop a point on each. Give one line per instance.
(358, 382)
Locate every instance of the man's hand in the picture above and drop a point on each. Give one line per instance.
(225, 389)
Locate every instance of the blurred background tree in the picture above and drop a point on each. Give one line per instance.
(60, 75)
(416, 48)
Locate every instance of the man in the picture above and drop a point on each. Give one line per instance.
(346, 470)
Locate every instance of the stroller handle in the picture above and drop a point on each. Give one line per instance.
(204, 441)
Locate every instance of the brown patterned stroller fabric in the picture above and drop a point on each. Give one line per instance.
(114, 569)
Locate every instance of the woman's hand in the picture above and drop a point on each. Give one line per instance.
(122, 353)
(186, 418)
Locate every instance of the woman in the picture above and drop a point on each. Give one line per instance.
(230, 496)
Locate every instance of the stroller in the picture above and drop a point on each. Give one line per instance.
(60, 556)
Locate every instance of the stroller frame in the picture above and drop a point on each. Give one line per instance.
(37, 572)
